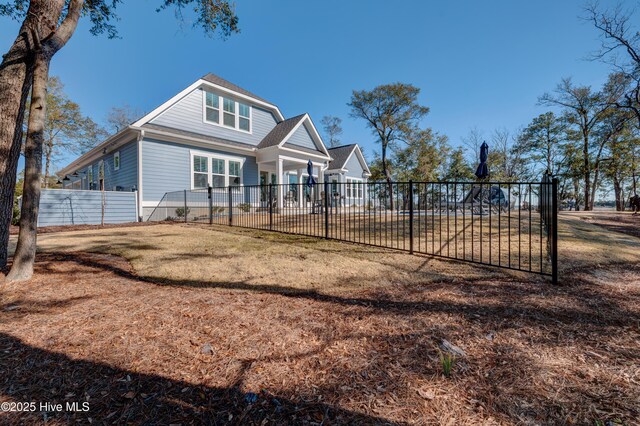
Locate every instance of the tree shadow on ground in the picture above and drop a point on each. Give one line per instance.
(593, 310)
(117, 396)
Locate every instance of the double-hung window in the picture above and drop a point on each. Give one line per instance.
(216, 170)
(244, 120)
(234, 173)
(212, 107)
(229, 112)
(200, 171)
(116, 160)
(218, 175)
(354, 188)
(226, 112)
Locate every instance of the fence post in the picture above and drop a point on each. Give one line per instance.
(326, 209)
(411, 216)
(230, 207)
(185, 206)
(554, 230)
(270, 207)
(210, 193)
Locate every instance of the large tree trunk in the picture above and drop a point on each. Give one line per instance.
(50, 38)
(15, 81)
(22, 268)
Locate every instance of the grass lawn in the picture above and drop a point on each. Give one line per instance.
(199, 324)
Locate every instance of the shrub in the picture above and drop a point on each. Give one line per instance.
(244, 207)
(180, 211)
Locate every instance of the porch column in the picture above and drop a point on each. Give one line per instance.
(320, 181)
(365, 188)
(300, 192)
(280, 181)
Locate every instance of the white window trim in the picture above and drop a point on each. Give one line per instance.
(209, 157)
(116, 154)
(221, 112)
(349, 180)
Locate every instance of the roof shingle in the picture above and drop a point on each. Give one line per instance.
(278, 133)
(212, 78)
(340, 155)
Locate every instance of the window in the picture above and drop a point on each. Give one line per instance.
(244, 119)
(218, 174)
(200, 172)
(212, 108)
(234, 114)
(234, 173)
(90, 176)
(229, 112)
(354, 188)
(218, 171)
(116, 161)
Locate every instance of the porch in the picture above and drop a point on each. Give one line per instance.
(288, 172)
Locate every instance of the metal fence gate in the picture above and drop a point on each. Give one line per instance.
(510, 225)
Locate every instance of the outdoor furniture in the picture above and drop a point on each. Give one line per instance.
(480, 199)
(290, 199)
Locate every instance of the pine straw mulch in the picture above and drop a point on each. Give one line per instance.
(87, 329)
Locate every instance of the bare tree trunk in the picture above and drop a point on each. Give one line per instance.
(619, 193)
(576, 190)
(594, 186)
(22, 268)
(387, 174)
(48, 152)
(587, 174)
(15, 81)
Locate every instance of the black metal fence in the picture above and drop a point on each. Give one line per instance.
(509, 225)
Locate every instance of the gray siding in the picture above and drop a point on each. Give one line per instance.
(187, 114)
(353, 166)
(68, 207)
(302, 137)
(166, 167)
(126, 178)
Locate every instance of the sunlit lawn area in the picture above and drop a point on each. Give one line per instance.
(184, 323)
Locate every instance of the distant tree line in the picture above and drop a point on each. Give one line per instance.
(589, 138)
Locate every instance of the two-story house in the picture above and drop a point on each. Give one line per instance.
(213, 133)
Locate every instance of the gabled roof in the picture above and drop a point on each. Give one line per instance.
(341, 155)
(217, 83)
(281, 131)
(212, 78)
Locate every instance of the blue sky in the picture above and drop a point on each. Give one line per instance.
(478, 63)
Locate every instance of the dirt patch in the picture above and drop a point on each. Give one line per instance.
(256, 348)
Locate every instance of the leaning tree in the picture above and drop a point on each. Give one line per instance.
(47, 25)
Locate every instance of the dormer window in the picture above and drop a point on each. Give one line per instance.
(212, 108)
(234, 114)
